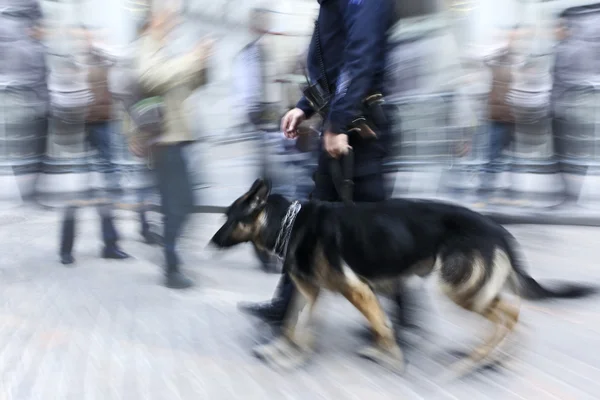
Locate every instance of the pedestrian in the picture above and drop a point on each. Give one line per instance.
(249, 82)
(99, 125)
(171, 78)
(501, 124)
(346, 63)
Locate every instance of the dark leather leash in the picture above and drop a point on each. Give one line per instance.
(342, 172)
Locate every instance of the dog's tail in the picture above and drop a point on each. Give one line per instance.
(529, 288)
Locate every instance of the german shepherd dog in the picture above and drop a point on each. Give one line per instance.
(352, 249)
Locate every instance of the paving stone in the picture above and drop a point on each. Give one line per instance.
(107, 329)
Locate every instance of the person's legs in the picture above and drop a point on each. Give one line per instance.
(369, 189)
(147, 230)
(176, 203)
(109, 235)
(99, 136)
(67, 236)
(273, 310)
(497, 137)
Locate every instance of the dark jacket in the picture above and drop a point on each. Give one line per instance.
(353, 38)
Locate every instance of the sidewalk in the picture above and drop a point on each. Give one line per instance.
(107, 330)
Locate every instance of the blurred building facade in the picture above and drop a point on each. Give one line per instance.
(439, 77)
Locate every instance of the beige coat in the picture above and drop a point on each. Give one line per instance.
(101, 109)
(173, 78)
(499, 109)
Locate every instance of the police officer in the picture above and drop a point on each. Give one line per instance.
(346, 61)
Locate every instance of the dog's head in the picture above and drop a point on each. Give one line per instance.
(245, 217)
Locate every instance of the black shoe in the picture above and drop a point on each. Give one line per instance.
(272, 311)
(66, 259)
(152, 238)
(114, 253)
(177, 280)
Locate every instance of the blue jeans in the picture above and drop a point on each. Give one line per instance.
(498, 135)
(99, 136)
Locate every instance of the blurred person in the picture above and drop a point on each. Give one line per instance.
(346, 62)
(249, 84)
(501, 119)
(303, 149)
(172, 79)
(281, 155)
(98, 127)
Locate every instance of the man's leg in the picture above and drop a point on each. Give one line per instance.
(272, 311)
(176, 203)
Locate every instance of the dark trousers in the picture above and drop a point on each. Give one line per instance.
(176, 196)
(68, 229)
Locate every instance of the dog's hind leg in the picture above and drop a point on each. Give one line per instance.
(504, 317)
(386, 351)
(480, 292)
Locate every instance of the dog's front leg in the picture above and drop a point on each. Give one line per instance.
(293, 348)
(307, 295)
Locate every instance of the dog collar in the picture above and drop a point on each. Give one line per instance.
(283, 237)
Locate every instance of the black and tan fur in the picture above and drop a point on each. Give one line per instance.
(353, 249)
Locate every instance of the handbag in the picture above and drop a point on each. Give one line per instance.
(148, 115)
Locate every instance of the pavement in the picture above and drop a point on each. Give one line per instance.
(107, 329)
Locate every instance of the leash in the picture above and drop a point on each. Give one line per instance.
(342, 172)
(283, 238)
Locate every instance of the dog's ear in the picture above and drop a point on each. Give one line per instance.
(258, 194)
(255, 186)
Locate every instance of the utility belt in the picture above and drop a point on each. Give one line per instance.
(371, 120)
(367, 124)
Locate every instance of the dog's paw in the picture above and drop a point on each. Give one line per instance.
(292, 359)
(281, 354)
(265, 351)
(455, 372)
(391, 359)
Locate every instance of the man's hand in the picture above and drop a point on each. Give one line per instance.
(290, 122)
(336, 145)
